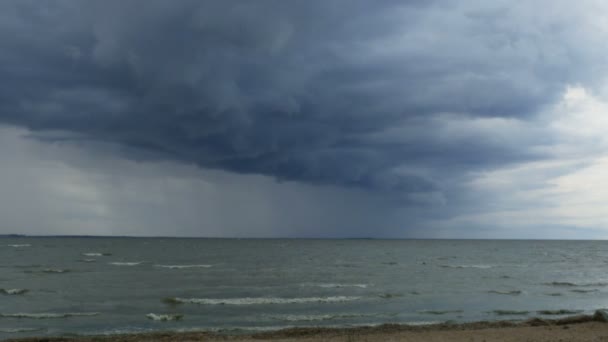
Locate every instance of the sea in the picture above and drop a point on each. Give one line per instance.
(68, 286)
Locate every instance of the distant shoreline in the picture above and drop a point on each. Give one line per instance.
(571, 328)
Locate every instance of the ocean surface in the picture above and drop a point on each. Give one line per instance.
(67, 286)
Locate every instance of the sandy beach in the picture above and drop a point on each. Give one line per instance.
(574, 328)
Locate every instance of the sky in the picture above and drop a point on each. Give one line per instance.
(272, 118)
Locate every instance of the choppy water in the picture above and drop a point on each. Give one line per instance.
(59, 286)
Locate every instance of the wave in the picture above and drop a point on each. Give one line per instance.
(569, 284)
(13, 291)
(165, 317)
(132, 263)
(18, 330)
(502, 292)
(96, 254)
(584, 291)
(322, 317)
(393, 295)
(554, 294)
(510, 312)
(337, 286)
(419, 323)
(87, 260)
(20, 245)
(55, 270)
(258, 300)
(467, 266)
(439, 312)
(183, 266)
(47, 315)
(559, 312)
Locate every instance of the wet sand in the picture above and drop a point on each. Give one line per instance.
(575, 328)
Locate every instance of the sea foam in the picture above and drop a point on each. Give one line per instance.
(95, 254)
(133, 263)
(55, 270)
(13, 291)
(183, 266)
(321, 317)
(164, 317)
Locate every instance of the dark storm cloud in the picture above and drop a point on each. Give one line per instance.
(348, 93)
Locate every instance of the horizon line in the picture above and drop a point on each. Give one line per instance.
(279, 237)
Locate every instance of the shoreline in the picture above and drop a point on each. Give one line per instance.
(570, 328)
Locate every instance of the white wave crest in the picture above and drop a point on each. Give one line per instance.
(93, 254)
(133, 263)
(309, 318)
(422, 323)
(20, 245)
(183, 266)
(165, 317)
(47, 315)
(55, 270)
(13, 291)
(87, 260)
(261, 300)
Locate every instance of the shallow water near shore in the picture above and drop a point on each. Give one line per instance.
(65, 286)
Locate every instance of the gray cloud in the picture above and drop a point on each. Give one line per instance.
(357, 94)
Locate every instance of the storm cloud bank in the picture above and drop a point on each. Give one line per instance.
(403, 99)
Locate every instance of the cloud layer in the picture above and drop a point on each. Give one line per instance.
(406, 100)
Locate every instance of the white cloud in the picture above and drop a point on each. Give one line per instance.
(569, 189)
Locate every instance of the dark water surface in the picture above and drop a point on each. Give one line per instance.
(63, 286)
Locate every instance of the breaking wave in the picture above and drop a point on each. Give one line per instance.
(13, 291)
(258, 300)
(183, 266)
(164, 317)
(325, 317)
(20, 245)
(55, 270)
(48, 315)
(87, 260)
(133, 263)
(96, 254)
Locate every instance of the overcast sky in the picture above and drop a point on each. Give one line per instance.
(316, 118)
